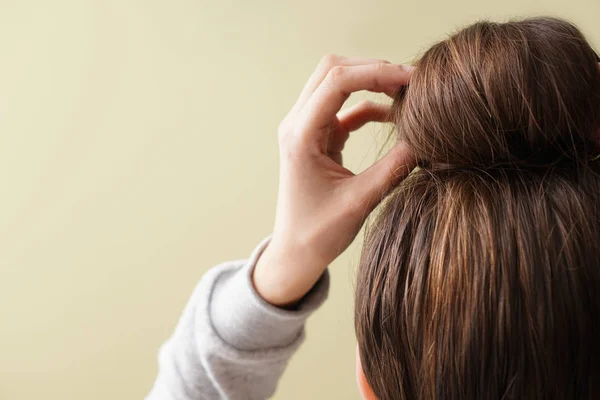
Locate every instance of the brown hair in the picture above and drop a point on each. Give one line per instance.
(480, 277)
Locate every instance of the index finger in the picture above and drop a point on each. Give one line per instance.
(325, 65)
(341, 81)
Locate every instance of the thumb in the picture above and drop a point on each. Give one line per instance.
(379, 179)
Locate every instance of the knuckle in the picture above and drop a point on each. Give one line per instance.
(380, 67)
(375, 85)
(283, 126)
(288, 133)
(283, 129)
(290, 149)
(336, 73)
(281, 135)
(329, 60)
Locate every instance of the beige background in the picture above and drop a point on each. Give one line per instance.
(138, 148)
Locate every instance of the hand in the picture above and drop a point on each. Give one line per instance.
(321, 205)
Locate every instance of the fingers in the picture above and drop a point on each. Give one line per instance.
(376, 181)
(341, 81)
(354, 118)
(366, 111)
(325, 65)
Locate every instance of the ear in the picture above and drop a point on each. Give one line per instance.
(361, 380)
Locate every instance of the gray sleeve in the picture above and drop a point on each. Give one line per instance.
(229, 343)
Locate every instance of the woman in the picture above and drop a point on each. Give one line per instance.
(480, 277)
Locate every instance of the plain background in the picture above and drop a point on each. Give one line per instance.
(138, 148)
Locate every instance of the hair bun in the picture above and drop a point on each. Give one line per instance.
(525, 93)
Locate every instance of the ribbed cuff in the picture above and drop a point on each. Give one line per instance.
(246, 321)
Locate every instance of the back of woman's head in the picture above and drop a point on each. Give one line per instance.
(480, 277)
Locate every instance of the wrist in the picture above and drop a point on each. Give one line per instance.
(283, 275)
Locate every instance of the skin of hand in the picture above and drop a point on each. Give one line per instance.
(321, 205)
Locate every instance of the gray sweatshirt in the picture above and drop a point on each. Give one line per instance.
(229, 343)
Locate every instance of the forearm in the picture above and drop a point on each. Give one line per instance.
(229, 342)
